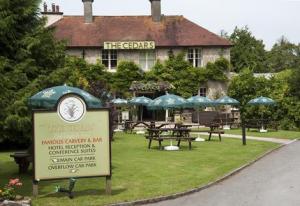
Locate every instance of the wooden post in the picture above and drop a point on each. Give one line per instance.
(35, 188)
(108, 185)
(244, 133)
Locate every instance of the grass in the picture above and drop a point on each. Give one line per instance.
(140, 173)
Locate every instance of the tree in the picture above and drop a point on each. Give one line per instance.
(186, 78)
(217, 70)
(245, 87)
(27, 51)
(126, 73)
(247, 52)
(283, 55)
(76, 72)
(294, 82)
(287, 108)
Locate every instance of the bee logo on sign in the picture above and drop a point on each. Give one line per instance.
(71, 109)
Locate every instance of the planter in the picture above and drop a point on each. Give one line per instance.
(23, 202)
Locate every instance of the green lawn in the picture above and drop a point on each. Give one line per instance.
(283, 134)
(140, 173)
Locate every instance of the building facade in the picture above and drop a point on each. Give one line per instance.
(142, 39)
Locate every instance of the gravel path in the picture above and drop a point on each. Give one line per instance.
(265, 139)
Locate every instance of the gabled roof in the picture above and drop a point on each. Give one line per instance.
(172, 31)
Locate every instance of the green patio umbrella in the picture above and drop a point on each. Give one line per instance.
(140, 101)
(197, 102)
(49, 97)
(226, 101)
(119, 102)
(262, 101)
(166, 102)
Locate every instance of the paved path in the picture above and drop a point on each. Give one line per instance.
(272, 181)
(265, 139)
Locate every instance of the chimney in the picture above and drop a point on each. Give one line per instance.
(53, 8)
(53, 15)
(88, 11)
(45, 7)
(156, 10)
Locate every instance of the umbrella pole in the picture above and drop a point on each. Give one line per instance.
(198, 111)
(167, 115)
(199, 139)
(198, 108)
(262, 120)
(119, 118)
(142, 110)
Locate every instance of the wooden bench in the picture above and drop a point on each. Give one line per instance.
(23, 160)
(258, 123)
(130, 125)
(178, 134)
(214, 128)
(211, 119)
(219, 132)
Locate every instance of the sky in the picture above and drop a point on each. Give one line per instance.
(268, 20)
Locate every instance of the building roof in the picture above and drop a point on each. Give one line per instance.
(172, 31)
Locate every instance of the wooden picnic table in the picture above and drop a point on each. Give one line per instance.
(214, 128)
(180, 125)
(130, 125)
(178, 134)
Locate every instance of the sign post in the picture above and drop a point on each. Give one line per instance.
(71, 142)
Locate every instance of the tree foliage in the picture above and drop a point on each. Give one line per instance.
(186, 78)
(27, 51)
(283, 55)
(247, 52)
(76, 72)
(127, 72)
(245, 87)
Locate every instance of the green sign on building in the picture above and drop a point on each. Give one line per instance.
(129, 45)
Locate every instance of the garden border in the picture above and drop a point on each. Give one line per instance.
(188, 192)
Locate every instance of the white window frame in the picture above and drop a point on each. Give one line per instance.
(194, 56)
(203, 91)
(146, 58)
(110, 58)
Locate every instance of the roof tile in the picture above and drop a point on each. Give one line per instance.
(171, 31)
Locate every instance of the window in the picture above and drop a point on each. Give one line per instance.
(147, 59)
(202, 91)
(110, 58)
(195, 57)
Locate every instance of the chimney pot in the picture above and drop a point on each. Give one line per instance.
(53, 8)
(156, 10)
(57, 8)
(45, 7)
(88, 10)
